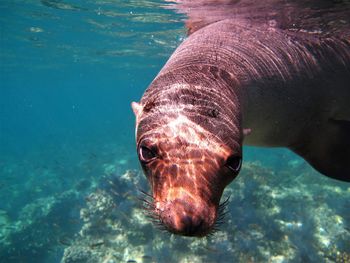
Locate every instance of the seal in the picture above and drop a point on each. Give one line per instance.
(273, 74)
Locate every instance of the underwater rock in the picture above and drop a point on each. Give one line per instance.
(272, 216)
(80, 254)
(39, 228)
(99, 208)
(5, 228)
(82, 185)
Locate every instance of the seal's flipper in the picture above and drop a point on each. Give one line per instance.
(328, 149)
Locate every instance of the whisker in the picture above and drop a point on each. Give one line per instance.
(150, 213)
(153, 218)
(221, 214)
(146, 207)
(147, 203)
(212, 232)
(150, 210)
(144, 200)
(224, 203)
(145, 193)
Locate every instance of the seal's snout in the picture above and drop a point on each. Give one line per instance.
(188, 219)
(186, 165)
(192, 226)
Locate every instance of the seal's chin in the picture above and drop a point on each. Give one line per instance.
(195, 219)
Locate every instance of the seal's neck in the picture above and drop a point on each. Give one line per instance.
(234, 73)
(259, 54)
(262, 71)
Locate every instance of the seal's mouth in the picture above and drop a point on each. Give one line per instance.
(182, 217)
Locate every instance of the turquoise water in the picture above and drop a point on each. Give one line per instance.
(69, 173)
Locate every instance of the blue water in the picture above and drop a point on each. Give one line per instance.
(69, 71)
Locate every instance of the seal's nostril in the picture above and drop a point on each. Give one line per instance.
(191, 226)
(187, 221)
(182, 218)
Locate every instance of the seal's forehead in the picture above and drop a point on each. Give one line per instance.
(188, 111)
(180, 131)
(317, 17)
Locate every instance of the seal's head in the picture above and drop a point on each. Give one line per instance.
(187, 166)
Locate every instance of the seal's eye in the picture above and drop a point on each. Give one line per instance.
(146, 154)
(234, 163)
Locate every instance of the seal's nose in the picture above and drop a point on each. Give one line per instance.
(188, 218)
(192, 226)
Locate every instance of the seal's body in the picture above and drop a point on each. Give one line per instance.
(232, 78)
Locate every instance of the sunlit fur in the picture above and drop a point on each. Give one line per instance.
(189, 175)
(229, 76)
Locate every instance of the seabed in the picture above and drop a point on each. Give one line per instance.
(291, 215)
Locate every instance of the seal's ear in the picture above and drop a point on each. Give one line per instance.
(247, 131)
(137, 108)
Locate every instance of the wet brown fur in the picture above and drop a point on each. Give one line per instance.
(278, 68)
